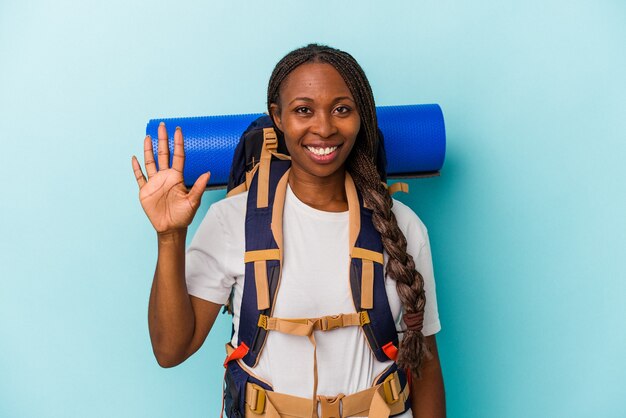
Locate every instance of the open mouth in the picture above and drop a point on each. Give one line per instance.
(322, 152)
(322, 155)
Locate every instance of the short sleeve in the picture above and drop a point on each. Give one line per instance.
(207, 260)
(424, 265)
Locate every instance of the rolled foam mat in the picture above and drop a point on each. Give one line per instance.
(415, 141)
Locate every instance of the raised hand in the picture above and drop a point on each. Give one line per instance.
(163, 195)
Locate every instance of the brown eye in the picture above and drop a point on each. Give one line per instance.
(342, 109)
(302, 110)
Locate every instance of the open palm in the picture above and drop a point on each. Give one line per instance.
(163, 195)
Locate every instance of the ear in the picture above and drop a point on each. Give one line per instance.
(275, 114)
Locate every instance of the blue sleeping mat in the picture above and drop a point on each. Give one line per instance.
(415, 141)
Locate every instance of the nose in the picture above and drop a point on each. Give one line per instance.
(323, 125)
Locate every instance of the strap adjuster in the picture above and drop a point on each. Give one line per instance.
(262, 322)
(391, 387)
(364, 318)
(271, 140)
(330, 405)
(257, 399)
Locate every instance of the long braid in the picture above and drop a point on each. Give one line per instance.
(362, 166)
(400, 265)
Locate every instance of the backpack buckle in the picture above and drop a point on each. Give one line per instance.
(255, 398)
(391, 388)
(332, 322)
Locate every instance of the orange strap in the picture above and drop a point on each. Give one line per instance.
(391, 351)
(237, 354)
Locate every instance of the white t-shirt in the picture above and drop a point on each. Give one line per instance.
(314, 283)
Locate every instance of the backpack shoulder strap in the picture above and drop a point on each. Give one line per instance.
(263, 257)
(367, 278)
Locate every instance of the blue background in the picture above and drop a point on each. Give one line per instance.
(526, 221)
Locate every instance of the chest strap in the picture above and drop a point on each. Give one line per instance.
(304, 327)
(379, 401)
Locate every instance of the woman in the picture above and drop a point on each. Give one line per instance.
(320, 99)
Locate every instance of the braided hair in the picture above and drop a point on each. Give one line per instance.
(361, 165)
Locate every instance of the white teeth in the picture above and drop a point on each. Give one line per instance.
(321, 151)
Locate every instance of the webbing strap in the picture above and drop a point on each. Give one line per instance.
(262, 287)
(367, 255)
(380, 401)
(276, 404)
(239, 189)
(315, 379)
(398, 187)
(259, 258)
(354, 215)
(246, 184)
(368, 258)
(258, 255)
(367, 284)
(270, 143)
(250, 174)
(280, 156)
(305, 326)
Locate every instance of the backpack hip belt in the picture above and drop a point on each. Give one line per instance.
(386, 398)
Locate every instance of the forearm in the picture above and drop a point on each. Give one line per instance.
(428, 398)
(170, 313)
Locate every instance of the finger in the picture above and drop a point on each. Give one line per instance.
(163, 149)
(178, 161)
(141, 179)
(148, 156)
(195, 194)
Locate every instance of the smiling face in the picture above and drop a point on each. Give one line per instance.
(318, 117)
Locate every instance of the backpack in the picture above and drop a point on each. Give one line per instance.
(260, 166)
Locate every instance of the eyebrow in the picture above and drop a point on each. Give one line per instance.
(308, 99)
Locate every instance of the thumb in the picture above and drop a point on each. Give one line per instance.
(195, 194)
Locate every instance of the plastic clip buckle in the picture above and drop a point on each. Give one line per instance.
(332, 322)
